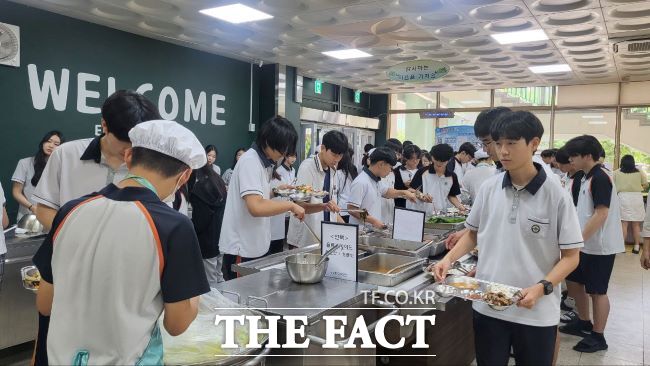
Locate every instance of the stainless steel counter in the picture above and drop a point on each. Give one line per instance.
(18, 315)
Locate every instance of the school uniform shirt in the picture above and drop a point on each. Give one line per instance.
(23, 174)
(388, 204)
(402, 175)
(115, 258)
(343, 190)
(439, 187)
(242, 234)
(521, 233)
(596, 189)
(277, 222)
(366, 193)
(216, 168)
(311, 172)
(74, 169)
(3, 245)
(459, 169)
(571, 184)
(473, 179)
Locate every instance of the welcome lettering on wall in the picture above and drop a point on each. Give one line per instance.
(42, 90)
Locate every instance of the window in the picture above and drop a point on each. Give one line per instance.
(534, 96)
(635, 129)
(460, 119)
(413, 101)
(465, 99)
(601, 123)
(545, 118)
(409, 126)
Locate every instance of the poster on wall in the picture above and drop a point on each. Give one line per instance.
(456, 136)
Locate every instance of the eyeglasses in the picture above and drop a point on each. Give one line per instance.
(483, 144)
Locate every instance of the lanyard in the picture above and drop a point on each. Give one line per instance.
(143, 181)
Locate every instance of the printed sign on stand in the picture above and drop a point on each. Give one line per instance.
(408, 224)
(343, 262)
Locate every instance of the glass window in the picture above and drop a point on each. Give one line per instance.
(413, 101)
(601, 123)
(409, 126)
(523, 97)
(460, 119)
(635, 129)
(465, 99)
(545, 118)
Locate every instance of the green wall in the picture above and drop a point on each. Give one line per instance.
(54, 42)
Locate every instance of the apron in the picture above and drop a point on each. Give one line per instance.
(631, 206)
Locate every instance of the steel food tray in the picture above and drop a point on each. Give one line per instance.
(373, 268)
(473, 289)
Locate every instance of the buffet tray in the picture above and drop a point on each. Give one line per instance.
(473, 289)
(373, 269)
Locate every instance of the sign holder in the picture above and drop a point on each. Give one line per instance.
(343, 263)
(408, 224)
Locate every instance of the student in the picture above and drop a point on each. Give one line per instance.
(28, 173)
(246, 229)
(319, 172)
(82, 166)
(645, 254)
(368, 189)
(438, 183)
(473, 179)
(405, 172)
(3, 245)
(461, 159)
(284, 175)
(630, 183)
(388, 205)
(212, 153)
(228, 173)
(600, 221)
(207, 194)
(571, 177)
(425, 161)
(364, 159)
(149, 250)
(548, 157)
(519, 216)
(345, 175)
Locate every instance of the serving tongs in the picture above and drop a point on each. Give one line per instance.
(408, 264)
(459, 267)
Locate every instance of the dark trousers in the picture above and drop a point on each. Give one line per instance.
(276, 247)
(40, 353)
(493, 339)
(228, 261)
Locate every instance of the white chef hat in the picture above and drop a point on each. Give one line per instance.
(480, 154)
(171, 139)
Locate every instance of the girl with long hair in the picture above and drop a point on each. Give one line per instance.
(630, 183)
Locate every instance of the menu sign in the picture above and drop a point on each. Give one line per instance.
(408, 224)
(343, 262)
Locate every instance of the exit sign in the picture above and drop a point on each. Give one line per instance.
(318, 86)
(357, 96)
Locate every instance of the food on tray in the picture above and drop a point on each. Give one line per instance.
(497, 298)
(465, 284)
(305, 188)
(445, 220)
(32, 279)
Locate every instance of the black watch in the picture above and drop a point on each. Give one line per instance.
(548, 287)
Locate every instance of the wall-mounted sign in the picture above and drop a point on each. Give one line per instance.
(318, 86)
(418, 71)
(437, 113)
(357, 96)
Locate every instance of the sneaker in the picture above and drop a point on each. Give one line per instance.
(577, 328)
(635, 251)
(569, 317)
(590, 345)
(565, 307)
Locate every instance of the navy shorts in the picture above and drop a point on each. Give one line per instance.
(594, 272)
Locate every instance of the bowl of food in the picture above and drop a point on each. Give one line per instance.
(31, 278)
(300, 197)
(499, 297)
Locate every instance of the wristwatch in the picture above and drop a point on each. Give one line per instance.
(548, 287)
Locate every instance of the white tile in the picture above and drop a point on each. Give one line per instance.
(599, 358)
(624, 351)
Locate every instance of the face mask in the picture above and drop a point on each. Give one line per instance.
(172, 196)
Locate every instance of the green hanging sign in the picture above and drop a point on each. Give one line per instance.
(418, 71)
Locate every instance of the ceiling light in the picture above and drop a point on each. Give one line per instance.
(520, 36)
(593, 116)
(347, 54)
(549, 68)
(236, 13)
(597, 122)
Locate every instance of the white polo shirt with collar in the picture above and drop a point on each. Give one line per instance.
(311, 173)
(521, 233)
(242, 234)
(75, 169)
(366, 192)
(474, 179)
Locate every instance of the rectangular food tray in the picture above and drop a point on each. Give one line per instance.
(372, 269)
(473, 289)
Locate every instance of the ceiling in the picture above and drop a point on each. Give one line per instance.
(452, 31)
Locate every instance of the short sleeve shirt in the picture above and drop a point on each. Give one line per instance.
(520, 235)
(23, 174)
(122, 247)
(630, 182)
(439, 187)
(242, 234)
(75, 169)
(366, 192)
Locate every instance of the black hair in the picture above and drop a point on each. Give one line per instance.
(426, 155)
(407, 143)
(561, 156)
(234, 159)
(211, 148)
(124, 109)
(442, 152)
(484, 120)
(468, 148)
(164, 165)
(40, 159)
(602, 153)
(408, 153)
(395, 145)
(278, 134)
(549, 153)
(367, 147)
(517, 125)
(584, 145)
(628, 164)
(346, 166)
(336, 142)
(384, 154)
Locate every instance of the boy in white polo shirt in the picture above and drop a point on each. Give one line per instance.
(600, 221)
(529, 236)
(645, 255)
(367, 188)
(246, 227)
(319, 172)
